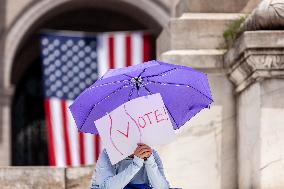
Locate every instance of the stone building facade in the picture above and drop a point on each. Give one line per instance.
(237, 143)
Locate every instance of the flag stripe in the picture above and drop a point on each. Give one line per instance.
(51, 154)
(128, 50)
(73, 136)
(81, 148)
(97, 147)
(111, 51)
(146, 48)
(119, 50)
(57, 129)
(89, 148)
(65, 132)
(136, 44)
(103, 53)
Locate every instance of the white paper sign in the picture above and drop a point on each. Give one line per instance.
(141, 120)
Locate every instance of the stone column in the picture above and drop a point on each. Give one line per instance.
(4, 99)
(204, 154)
(256, 67)
(5, 127)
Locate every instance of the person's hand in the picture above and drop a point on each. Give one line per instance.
(143, 151)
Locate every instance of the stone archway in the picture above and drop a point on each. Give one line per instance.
(20, 49)
(29, 19)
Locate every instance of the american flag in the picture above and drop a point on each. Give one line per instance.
(71, 62)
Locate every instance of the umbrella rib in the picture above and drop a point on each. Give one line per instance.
(113, 82)
(160, 74)
(142, 72)
(171, 115)
(113, 92)
(130, 94)
(177, 85)
(127, 75)
(147, 89)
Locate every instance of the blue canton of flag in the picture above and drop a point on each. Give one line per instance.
(69, 65)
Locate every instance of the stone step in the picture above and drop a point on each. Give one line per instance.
(215, 6)
(197, 31)
(200, 59)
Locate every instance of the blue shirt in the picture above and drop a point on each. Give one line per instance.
(129, 171)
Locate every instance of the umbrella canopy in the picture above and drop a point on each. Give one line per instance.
(185, 92)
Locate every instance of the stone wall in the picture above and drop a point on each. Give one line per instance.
(255, 65)
(206, 147)
(45, 177)
(215, 6)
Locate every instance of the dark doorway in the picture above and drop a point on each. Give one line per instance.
(29, 130)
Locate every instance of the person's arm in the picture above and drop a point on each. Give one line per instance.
(104, 175)
(155, 172)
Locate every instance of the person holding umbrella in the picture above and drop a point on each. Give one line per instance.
(184, 91)
(142, 170)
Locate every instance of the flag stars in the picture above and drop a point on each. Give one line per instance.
(82, 65)
(94, 76)
(88, 71)
(65, 89)
(70, 65)
(56, 53)
(93, 66)
(58, 83)
(75, 48)
(63, 48)
(56, 42)
(70, 74)
(76, 90)
(82, 85)
(76, 69)
(70, 84)
(52, 78)
(51, 57)
(46, 61)
(81, 54)
(59, 93)
(53, 88)
(69, 53)
(64, 69)
(88, 60)
(44, 41)
(70, 43)
(88, 81)
(51, 68)
(58, 73)
(87, 49)
(93, 54)
(45, 51)
(50, 47)
(64, 58)
(57, 63)
(82, 75)
(75, 59)
(81, 43)
(71, 95)
(64, 79)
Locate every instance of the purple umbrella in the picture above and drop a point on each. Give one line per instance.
(185, 92)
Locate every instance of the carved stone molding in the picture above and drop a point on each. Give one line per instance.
(254, 56)
(256, 65)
